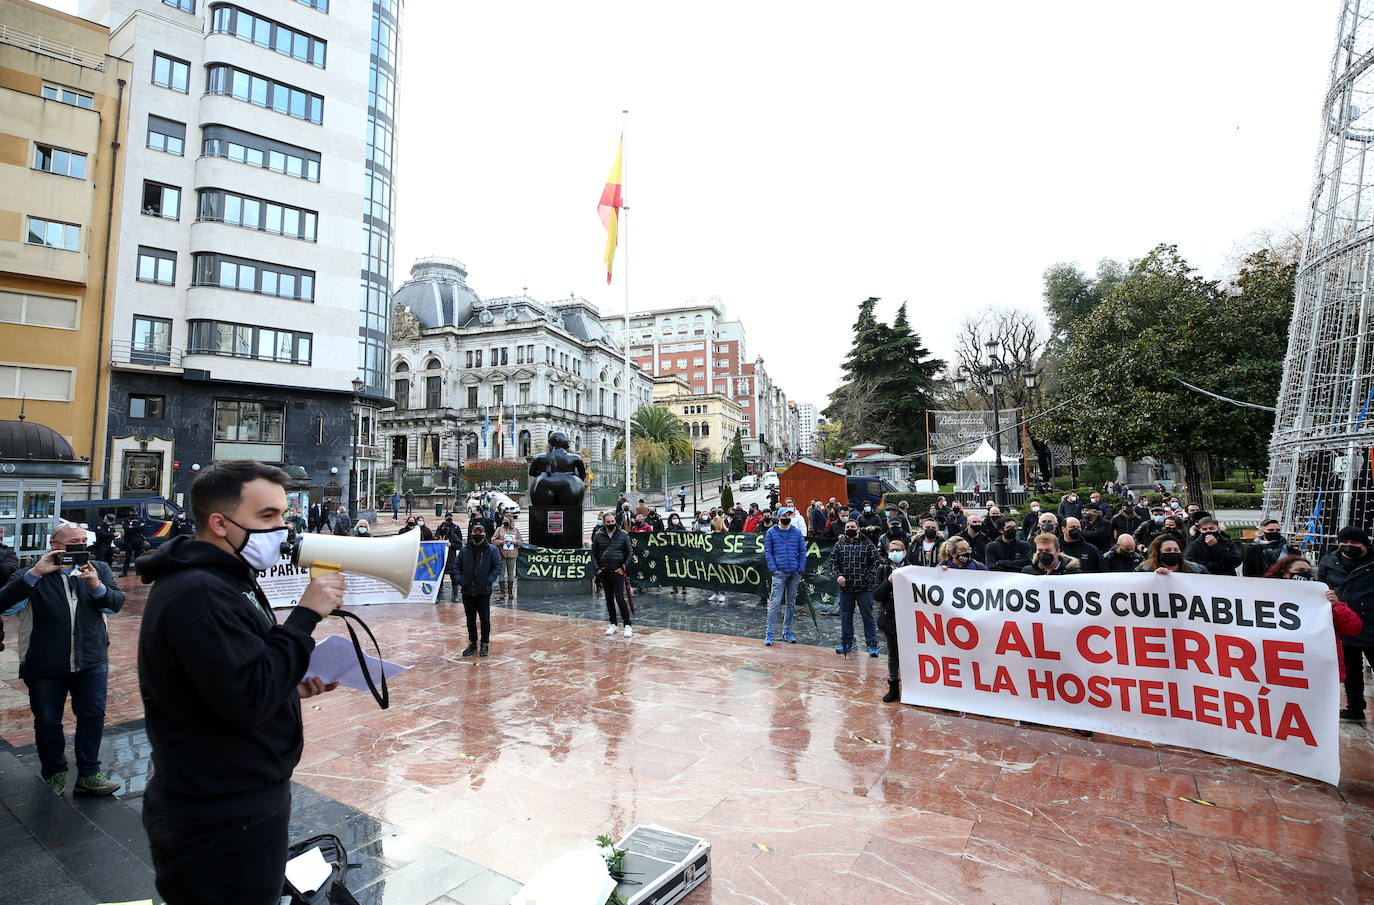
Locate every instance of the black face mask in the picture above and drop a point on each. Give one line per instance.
(1351, 552)
(930, 533)
(1301, 576)
(479, 539)
(1171, 559)
(962, 558)
(1074, 534)
(851, 532)
(1272, 535)
(1046, 559)
(1009, 533)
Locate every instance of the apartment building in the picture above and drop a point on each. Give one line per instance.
(251, 289)
(711, 418)
(64, 103)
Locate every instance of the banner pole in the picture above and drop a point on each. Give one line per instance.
(625, 275)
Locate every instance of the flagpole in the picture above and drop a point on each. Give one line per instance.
(625, 273)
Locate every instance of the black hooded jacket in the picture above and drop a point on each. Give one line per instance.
(218, 677)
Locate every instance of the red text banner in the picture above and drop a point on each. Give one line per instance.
(1242, 667)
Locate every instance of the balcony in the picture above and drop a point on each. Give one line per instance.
(58, 50)
(131, 356)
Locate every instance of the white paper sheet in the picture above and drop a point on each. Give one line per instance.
(308, 870)
(334, 660)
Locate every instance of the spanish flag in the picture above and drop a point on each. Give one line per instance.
(609, 208)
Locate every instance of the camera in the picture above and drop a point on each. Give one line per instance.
(74, 555)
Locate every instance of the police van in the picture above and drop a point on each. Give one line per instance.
(156, 512)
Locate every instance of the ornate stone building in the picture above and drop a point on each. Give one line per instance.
(481, 378)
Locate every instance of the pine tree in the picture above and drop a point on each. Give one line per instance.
(737, 455)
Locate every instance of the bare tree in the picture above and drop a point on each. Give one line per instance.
(862, 417)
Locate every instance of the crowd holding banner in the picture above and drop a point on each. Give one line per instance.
(1241, 667)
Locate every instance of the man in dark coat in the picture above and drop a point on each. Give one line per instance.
(1269, 547)
(1214, 548)
(1006, 553)
(1075, 545)
(1123, 557)
(1048, 560)
(105, 534)
(62, 651)
(133, 542)
(1124, 521)
(1349, 571)
(611, 553)
(478, 568)
(1096, 529)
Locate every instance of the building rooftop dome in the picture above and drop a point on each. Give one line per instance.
(437, 293)
(27, 440)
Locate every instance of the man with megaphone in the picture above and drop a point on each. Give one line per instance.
(222, 684)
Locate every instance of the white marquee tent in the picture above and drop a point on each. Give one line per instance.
(980, 467)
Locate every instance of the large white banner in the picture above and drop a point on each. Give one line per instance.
(1242, 667)
(284, 583)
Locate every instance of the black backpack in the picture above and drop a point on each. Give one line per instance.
(333, 891)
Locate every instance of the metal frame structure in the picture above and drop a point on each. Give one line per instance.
(1320, 475)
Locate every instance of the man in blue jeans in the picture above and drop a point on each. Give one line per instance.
(854, 562)
(62, 644)
(784, 549)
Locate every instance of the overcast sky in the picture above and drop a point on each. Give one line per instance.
(793, 158)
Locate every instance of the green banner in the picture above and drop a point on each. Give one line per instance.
(683, 559)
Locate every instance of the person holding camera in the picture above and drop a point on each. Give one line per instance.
(222, 683)
(62, 602)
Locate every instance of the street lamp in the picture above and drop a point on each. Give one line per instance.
(992, 374)
(358, 387)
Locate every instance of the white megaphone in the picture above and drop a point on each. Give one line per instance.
(390, 559)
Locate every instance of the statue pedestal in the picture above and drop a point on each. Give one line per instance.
(556, 527)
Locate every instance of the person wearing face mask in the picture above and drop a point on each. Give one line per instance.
(1123, 556)
(1213, 548)
(956, 553)
(1074, 544)
(1031, 520)
(871, 524)
(1124, 521)
(854, 563)
(883, 596)
(1269, 547)
(1096, 530)
(973, 533)
(361, 529)
(611, 552)
(1166, 555)
(478, 569)
(956, 521)
(1070, 507)
(409, 525)
(61, 611)
(1006, 553)
(675, 524)
(1145, 532)
(222, 686)
(1349, 572)
(510, 540)
(1343, 619)
(895, 531)
(784, 551)
(1047, 559)
(925, 548)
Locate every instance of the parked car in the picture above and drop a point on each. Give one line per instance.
(749, 482)
(770, 480)
(495, 497)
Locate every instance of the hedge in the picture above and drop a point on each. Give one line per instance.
(1238, 500)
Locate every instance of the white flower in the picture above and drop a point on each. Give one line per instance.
(607, 852)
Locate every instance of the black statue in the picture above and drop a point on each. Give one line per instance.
(559, 475)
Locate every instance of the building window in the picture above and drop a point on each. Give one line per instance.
(256, 213)
(705, 428)
(471, 449)
(469, 358)
(434, 387)
(258, 151)
(264, 32)
(472, 397)
(186, 6)
(321, 5)
(402, 394)
(698, 361)
(157, 265)
(56, 160)
(245, 275)
(264, 92)
(68, 96)
(498, 394)
(248, 341)
(161, 200)
(524, 396)
(172, 73)
(152, 341)
(504, 353)
(519, 355)
(51, 384)
(249, 430)
(151, 407)
(166, 135)
(479, 358)
(54, 234)
(38, 310)
(565, 399)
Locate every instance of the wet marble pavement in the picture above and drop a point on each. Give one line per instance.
(808, 788)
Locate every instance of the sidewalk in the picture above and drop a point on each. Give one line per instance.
(808, 788)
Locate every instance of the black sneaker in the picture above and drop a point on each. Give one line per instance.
(469, 650)
(1352, 716)
(483, 651)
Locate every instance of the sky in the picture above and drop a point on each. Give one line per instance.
(794, 158)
